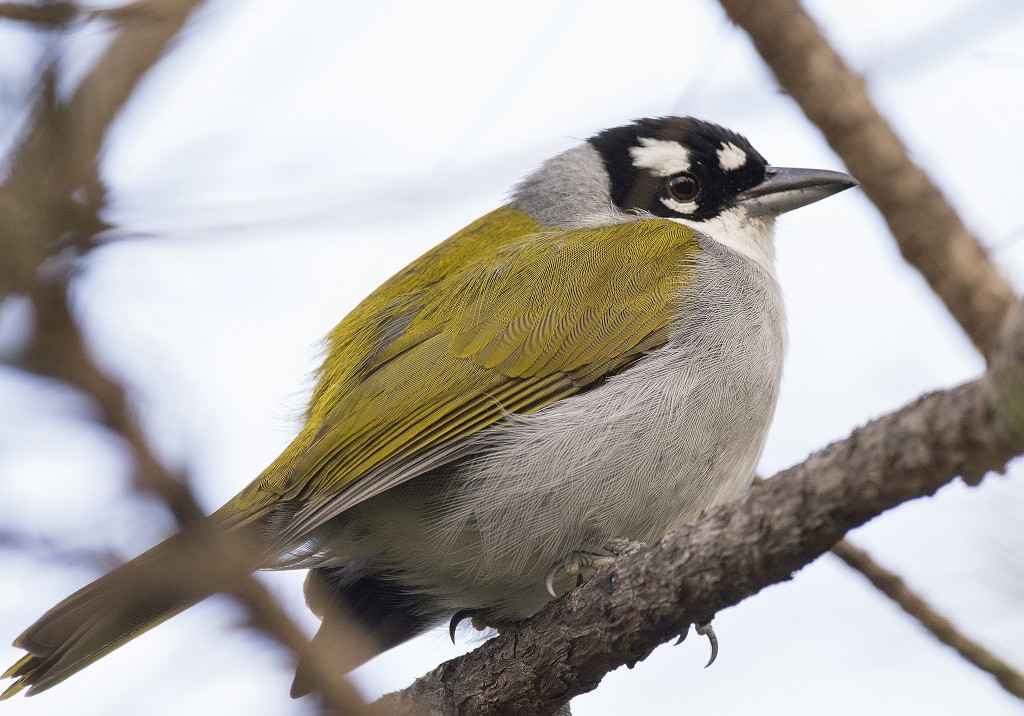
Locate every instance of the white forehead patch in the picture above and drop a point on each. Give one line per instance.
(662, 157)
(730, 157)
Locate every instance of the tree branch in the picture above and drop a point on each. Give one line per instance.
(53, 194)
(895, 588)
(737, 549)
(930, 234)
(49, 14)
(52, 198)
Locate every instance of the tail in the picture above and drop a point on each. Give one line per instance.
(111, 611)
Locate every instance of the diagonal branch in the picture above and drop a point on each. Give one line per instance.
(59, 351)
(930, 234)
(737, 549)
(895, 588)
(48, 14)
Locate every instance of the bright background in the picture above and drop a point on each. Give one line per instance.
(285, 158)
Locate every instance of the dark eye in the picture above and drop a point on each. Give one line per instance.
(683, 187)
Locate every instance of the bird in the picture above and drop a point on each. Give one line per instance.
(567, 378)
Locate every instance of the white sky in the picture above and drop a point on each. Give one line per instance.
(286, 158)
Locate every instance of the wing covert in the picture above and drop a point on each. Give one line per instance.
(538, 320)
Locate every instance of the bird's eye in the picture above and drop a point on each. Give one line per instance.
(683, 187)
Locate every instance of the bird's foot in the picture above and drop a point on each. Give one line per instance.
(703, 630)
(580, 563)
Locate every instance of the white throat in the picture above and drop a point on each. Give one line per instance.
(753, 237)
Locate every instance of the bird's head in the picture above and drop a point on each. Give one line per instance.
(678, 168)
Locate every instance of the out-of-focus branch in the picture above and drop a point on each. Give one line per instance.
(929, 232)
(53, 193)
(46, 14)
(59, 351)
(43, 547)
(896, 589)
(51, 200)
(737, 549)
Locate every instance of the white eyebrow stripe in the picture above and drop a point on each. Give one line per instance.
(662, 157)
(730, 157)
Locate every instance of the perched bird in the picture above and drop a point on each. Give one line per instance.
(577, 372)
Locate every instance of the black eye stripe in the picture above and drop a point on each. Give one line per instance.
(633, 187)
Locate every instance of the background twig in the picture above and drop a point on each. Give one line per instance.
(929, 232)
(896, 589)
(52, 199)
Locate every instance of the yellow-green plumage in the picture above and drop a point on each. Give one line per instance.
(499, 326)
(504, 317)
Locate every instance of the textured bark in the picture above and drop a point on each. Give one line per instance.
(736, 550)
(54, 194)
(930, 234)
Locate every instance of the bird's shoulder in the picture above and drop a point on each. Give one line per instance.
(498, 275)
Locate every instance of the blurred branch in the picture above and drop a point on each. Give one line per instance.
(52, 200)
(57, 15)
(53, 194)
(54, 191)
(930, 234)
(896, 589)
(46, 14)
(739, 548)
(58, 350)
(45, 548)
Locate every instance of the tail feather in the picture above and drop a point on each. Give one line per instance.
(105, 614)
(363, 615)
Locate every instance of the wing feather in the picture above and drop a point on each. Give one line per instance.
(539, 318)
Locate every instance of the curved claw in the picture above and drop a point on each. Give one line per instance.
(549, 578)
(682, 637)
(577, 563)
(708, 631)
(457, 619)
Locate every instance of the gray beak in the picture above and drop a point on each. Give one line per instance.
(786, 189)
